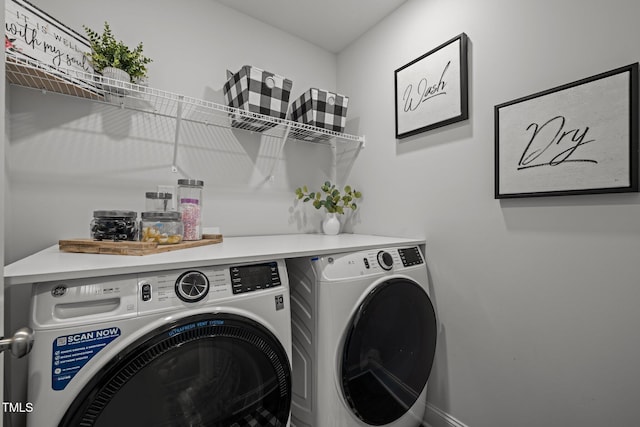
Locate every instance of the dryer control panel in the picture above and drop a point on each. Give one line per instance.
(410, 256)
(368, 262)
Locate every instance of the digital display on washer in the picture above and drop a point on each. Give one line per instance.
(248, 278)
(410, 256)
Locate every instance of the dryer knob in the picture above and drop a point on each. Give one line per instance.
(192, 286)
(385, 260)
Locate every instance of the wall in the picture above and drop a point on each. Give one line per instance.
(537, 297)
(69, 157)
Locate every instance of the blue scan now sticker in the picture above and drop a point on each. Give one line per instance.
(72, 352)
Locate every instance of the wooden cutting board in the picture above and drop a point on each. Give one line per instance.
(89, 246)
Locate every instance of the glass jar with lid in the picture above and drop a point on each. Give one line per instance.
(158, 201)
(164, 228)
(190, 205)
(114, 225)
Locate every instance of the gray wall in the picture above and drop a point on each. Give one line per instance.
(537, 297)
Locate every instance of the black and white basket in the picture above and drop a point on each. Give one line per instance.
(256, 91)
(322, 109)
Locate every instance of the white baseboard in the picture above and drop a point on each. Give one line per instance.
(436, 417)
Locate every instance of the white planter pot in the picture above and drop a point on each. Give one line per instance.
(116, 80)
(331, 224)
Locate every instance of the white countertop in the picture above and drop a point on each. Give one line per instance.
(53, 264)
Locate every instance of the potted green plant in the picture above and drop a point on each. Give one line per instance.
(333, 200)
(112, 57)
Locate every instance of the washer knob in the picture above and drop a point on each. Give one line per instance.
(192, 286)
(385, 260)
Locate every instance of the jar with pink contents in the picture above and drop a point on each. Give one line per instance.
(190, 205)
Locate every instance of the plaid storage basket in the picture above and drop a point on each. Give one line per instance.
(322, 109)
(256, 91)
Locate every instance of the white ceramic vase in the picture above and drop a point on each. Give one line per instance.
(117, 82)
(331, 224)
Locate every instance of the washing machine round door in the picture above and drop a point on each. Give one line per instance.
(206, 370)
(388, 351)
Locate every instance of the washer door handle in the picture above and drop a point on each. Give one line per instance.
(19, 344)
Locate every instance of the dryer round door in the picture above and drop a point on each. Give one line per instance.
(388, 351)
(217, 370)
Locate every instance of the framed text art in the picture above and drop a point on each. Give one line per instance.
(35, 35)
(579, 138)
(35, 39)
(43, 53)
(432, 91)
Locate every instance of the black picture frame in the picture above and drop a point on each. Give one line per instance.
(432, 91)
(578, 138)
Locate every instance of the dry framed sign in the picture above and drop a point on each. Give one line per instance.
(579, 138)
(432, 91)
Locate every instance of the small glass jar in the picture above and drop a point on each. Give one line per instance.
(190, 205)
(164, 228)
(158, 201)
(114, 225)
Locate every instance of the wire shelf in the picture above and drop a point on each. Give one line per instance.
(33, 74)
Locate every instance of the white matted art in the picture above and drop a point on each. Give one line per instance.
(579, 138)
(34, 36)
(432, 91)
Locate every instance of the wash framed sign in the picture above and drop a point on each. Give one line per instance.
(432, 90)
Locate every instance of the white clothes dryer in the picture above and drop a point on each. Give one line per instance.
(364, 336)
(207, 346)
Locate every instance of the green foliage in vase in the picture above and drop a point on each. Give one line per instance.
(330, 197)
(106, 51)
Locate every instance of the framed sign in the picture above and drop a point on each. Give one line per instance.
(579, 138)
(35, 37)
(432, 91)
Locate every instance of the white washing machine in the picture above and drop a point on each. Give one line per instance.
(207, 346)
(364, 337)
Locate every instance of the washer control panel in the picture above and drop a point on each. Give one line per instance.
(174, 289)
(86, 300)
(253, 277)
